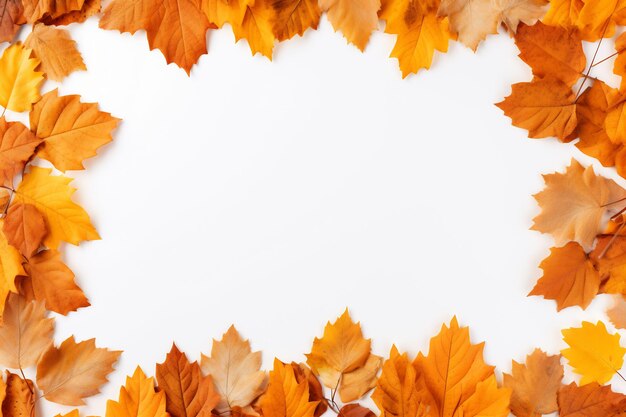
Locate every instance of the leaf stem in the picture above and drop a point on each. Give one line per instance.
(595, 54)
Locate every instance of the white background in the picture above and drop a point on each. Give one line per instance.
(273, 195)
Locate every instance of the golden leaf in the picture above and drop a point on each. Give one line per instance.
(285, 397)
(56, 50)
(19, 82)
(356, 19)
(138, 398)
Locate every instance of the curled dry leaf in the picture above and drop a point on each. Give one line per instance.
(73, 371)
(56, 50)
(569, 277)
(593, 352)
(188, 392)
(236, 372)
(19, 400)
(19, 82)
(573, 204)
(25, 228)
(535, 384)
(26, 332)
(36, 10)
(49, 280)
(138, 398)
(17, 146)
(89, 8)
(285, 396)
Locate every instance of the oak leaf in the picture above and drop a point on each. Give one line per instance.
(48, 279)
(545, 107)
(188, 392)
(574, 203)
(593, 352)
(294, 17)
(19, 82)
(457, 379)
(11, 19)
(535, 384)
(617, 312)
(72, 131)
(356, 19)
(26, 332)
(56, 50)
(52, 195)
(17, 146)
(10, 268)
(73, 371)
(24, 228)
(569, 277)
(285, 396)
(591, 400)
(472, 20)
(138, 398)
(235, 370)
(19, 400)
(551, 51)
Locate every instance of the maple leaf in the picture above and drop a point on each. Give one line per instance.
(294, 17)
(420, 32)
(74, 371)
(188, 392)
(17, 145)
(19, 398)
(56, 50)
(573, 204)
(52, 195)
(24, 228)
(563, 13)
(50, 280)
(545, 107)
(472, 20)
(452, 372)
(356, 19)
(551, 51)
(397, 393)
(591, 400)
(235, 370)
(535, 384)
(569, 277)
(514, 12)
(72, 131)
(19, 82)
(593, 352)
(285, 396)
(617, 312)
(26, 332)
(10, 268)
(256, 28)
(138, 398)
(11, 19)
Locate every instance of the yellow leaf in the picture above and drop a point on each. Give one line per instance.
(593, 352)
(10, 268)
(256, 28)
(563, 13)
(488, 400)
(71, 131)
(226, 11)
(52, 195)
(56, 50)
(356, 19)
(19, 82)
(138, 398)
(285, 397)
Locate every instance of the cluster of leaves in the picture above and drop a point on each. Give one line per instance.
(179, 27)
(452, 379)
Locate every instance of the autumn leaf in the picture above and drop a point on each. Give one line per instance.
(316, 392)
(52, 195)
(593, 352)
(219, 12)
(569, 277)
(614, 123)
(11, 19)
(10, 268)
(235, 370)
(24, 228)
(50, 280)
(256, 28)
(619, 66)
(551, 51)
(514, 12)
(563, 13)
(609, 257)
(472, 20)
(74, 371)
(138, 398)
(617, 312)
(188, 392)
(56, 50)
(397, 393)
(591, 400)
(19, 82)
(89, 8)
(573, 204)
(26, 332)
(293, 17)
(285, 397)
(597, 18)
(535, 385)
(72, 131)
(17, 146)
(177, 27)
(20, 399)
(36, 10)
(457, 379)
(356, 19)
